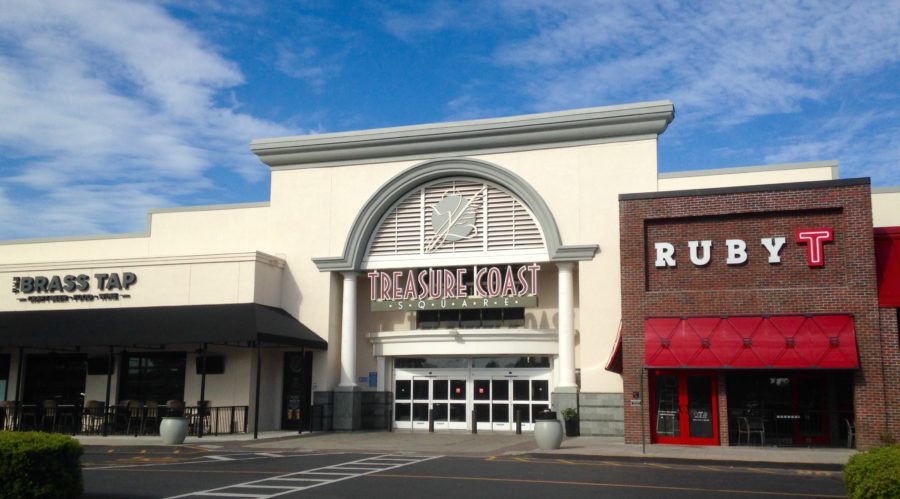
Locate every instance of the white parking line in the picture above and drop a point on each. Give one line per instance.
(365, 466)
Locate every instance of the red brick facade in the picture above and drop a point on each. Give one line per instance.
(846, 284)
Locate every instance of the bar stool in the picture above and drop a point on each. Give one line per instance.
(151, 413)
(92, 420)
(135, 415)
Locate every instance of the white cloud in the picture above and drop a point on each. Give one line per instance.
(728, 60)
(110, 108)
(867, 145)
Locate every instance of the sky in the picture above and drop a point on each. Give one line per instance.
(111, 108)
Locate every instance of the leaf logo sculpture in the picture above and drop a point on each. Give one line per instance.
(453, 219)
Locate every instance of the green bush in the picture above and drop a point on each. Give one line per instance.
(874, 473)
(35, 464)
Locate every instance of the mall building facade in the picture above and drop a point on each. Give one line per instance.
(458, 274)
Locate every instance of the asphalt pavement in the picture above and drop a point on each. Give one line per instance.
(495, 444)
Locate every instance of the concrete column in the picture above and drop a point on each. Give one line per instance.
(348, 331)
(566, 326)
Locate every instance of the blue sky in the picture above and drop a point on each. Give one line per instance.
(110, 108)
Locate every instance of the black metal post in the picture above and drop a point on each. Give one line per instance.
(301, 418)
(202, 403)
(256, 405)
(430, 420)
(109, 370)
(474, 422)
(518, 421)
(17, 421)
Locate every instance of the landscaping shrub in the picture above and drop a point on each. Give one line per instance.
(35, 464)
(874, 473)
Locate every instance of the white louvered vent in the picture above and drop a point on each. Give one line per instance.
(456, 216)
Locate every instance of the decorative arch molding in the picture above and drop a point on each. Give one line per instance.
(393, 190)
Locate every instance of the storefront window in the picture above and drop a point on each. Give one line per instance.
(470, 318)
(59, 377)
(152, 376)
(430, 362)
(510, 362)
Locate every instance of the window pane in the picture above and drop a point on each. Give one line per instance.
(501, 389)
(458, 413)
(420, 412)
(402, 392)
(439, 412)
(458, 389)
(540, 389)
(500, 413)
(482, 389)
(427, 319)
(430, 362)
(520, 389)
(439, 389)
(483, 413)
(420, 389)
(401, 412)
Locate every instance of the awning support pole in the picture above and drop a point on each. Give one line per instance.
(256, 404)
(202, 409)
(109, 370)
(19, 385)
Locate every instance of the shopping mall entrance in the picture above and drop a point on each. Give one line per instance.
(454, 390)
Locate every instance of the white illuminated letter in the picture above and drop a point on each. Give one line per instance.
(665, 254)
(774, 245)
(697, 260)
(737, 251)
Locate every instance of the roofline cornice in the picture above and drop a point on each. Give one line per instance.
(533, 131)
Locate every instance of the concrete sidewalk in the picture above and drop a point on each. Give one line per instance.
(493, 444)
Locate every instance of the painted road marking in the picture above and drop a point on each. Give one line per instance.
(263, 488)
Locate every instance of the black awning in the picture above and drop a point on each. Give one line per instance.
(229, 323)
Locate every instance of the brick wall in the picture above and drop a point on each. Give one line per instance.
(845, 285)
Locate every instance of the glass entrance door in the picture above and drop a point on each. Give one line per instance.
(445, 397)
(684, 408)
(497, 400)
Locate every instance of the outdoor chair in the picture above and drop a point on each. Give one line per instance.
(851, 432)
(54, 419)
(92, 420)
(151, 417)
(135, 411)
(748, 429)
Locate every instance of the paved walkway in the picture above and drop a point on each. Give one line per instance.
(491, 444)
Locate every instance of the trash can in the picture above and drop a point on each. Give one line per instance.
(548, 431)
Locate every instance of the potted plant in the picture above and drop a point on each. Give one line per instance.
(570, 416)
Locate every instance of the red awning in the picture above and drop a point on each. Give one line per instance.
(614, 364)
(757, 342)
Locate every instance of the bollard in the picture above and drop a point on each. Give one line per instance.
(518, 421)
(431, 420)
(474, 422)
(390, 418)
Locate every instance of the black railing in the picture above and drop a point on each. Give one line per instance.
(77, 419)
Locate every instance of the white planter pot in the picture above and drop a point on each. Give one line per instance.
(548, 433)
(173, 430)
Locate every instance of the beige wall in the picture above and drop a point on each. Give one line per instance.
(748, 175)
(161, 281)
(886, 207)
